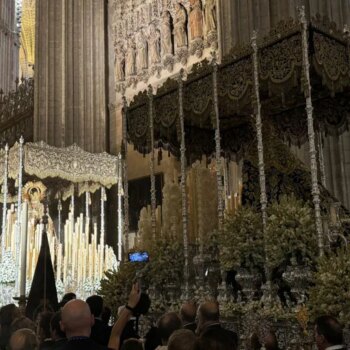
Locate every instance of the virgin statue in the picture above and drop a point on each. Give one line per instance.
(142, 51)
(167, 42)
(130, 58)
(119, 63)
(196, 19)
(180, 26)
(210, 16)
(154, 44)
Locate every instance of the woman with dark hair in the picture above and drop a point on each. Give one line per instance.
(43, 330)
(8, 314)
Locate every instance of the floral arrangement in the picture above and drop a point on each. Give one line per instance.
(241, 242)
(331, 292)
(8, 272)
(290, 232)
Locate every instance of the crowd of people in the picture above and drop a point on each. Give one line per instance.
(85, 325)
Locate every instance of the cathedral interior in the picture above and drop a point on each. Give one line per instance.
(212, 134)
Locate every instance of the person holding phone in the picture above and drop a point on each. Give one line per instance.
(125, 315)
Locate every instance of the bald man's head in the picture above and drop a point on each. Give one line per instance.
(76, 319)
(188, 312)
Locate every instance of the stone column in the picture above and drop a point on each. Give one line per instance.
(9, 45)
(70, 74)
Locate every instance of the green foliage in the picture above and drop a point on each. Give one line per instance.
(290, 231)
(241, 242)
(165, 266)
(166, 263)
(115, 286)
(331, 291)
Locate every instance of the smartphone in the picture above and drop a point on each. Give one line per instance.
(138, 257)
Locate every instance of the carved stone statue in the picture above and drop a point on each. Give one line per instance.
(142, 51)
(180, 26)
(210, 16)
(130, 64)
(154, 44)
(119, 63)
(167, 42)
(196, 19)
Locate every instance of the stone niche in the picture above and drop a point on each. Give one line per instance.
(154, 39)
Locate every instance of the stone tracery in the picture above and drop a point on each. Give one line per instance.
(162, 33)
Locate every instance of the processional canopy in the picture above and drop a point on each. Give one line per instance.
(72, 167)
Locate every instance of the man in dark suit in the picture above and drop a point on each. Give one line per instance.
(188, 314)
(328, 333)
(58, 337)
(100, 332)
(77, 322)
(209, 319)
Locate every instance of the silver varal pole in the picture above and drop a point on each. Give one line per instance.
(268, 291)
(120, 209)
(262, 178)
(103, 199)
(87, 205)
(4, 208)
(321, 160)
(59, 209)
(125, 176)
(217, 143)
(183, 186)
(24, 231)
(19, 207)
(153, 178)
(311, 132)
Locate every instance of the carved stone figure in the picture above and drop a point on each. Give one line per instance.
(210, 16)
(130, 67)
(196, 19)
(154, 44)
(119, 63)
(167, 42)
(142, 51)
(180, 26)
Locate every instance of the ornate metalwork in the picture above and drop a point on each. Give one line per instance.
(321, 159)
(257, 112)
(311, 132)
(268, 289)
(250, 282)
(298, 278)
(59, 209)
(153, 178)
(19, 206)
(183, 187)
(125, 175)
(4, 204)
(16, 112)
(216, 123)
(120, 210)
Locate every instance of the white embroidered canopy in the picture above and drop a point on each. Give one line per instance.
(86, 171)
